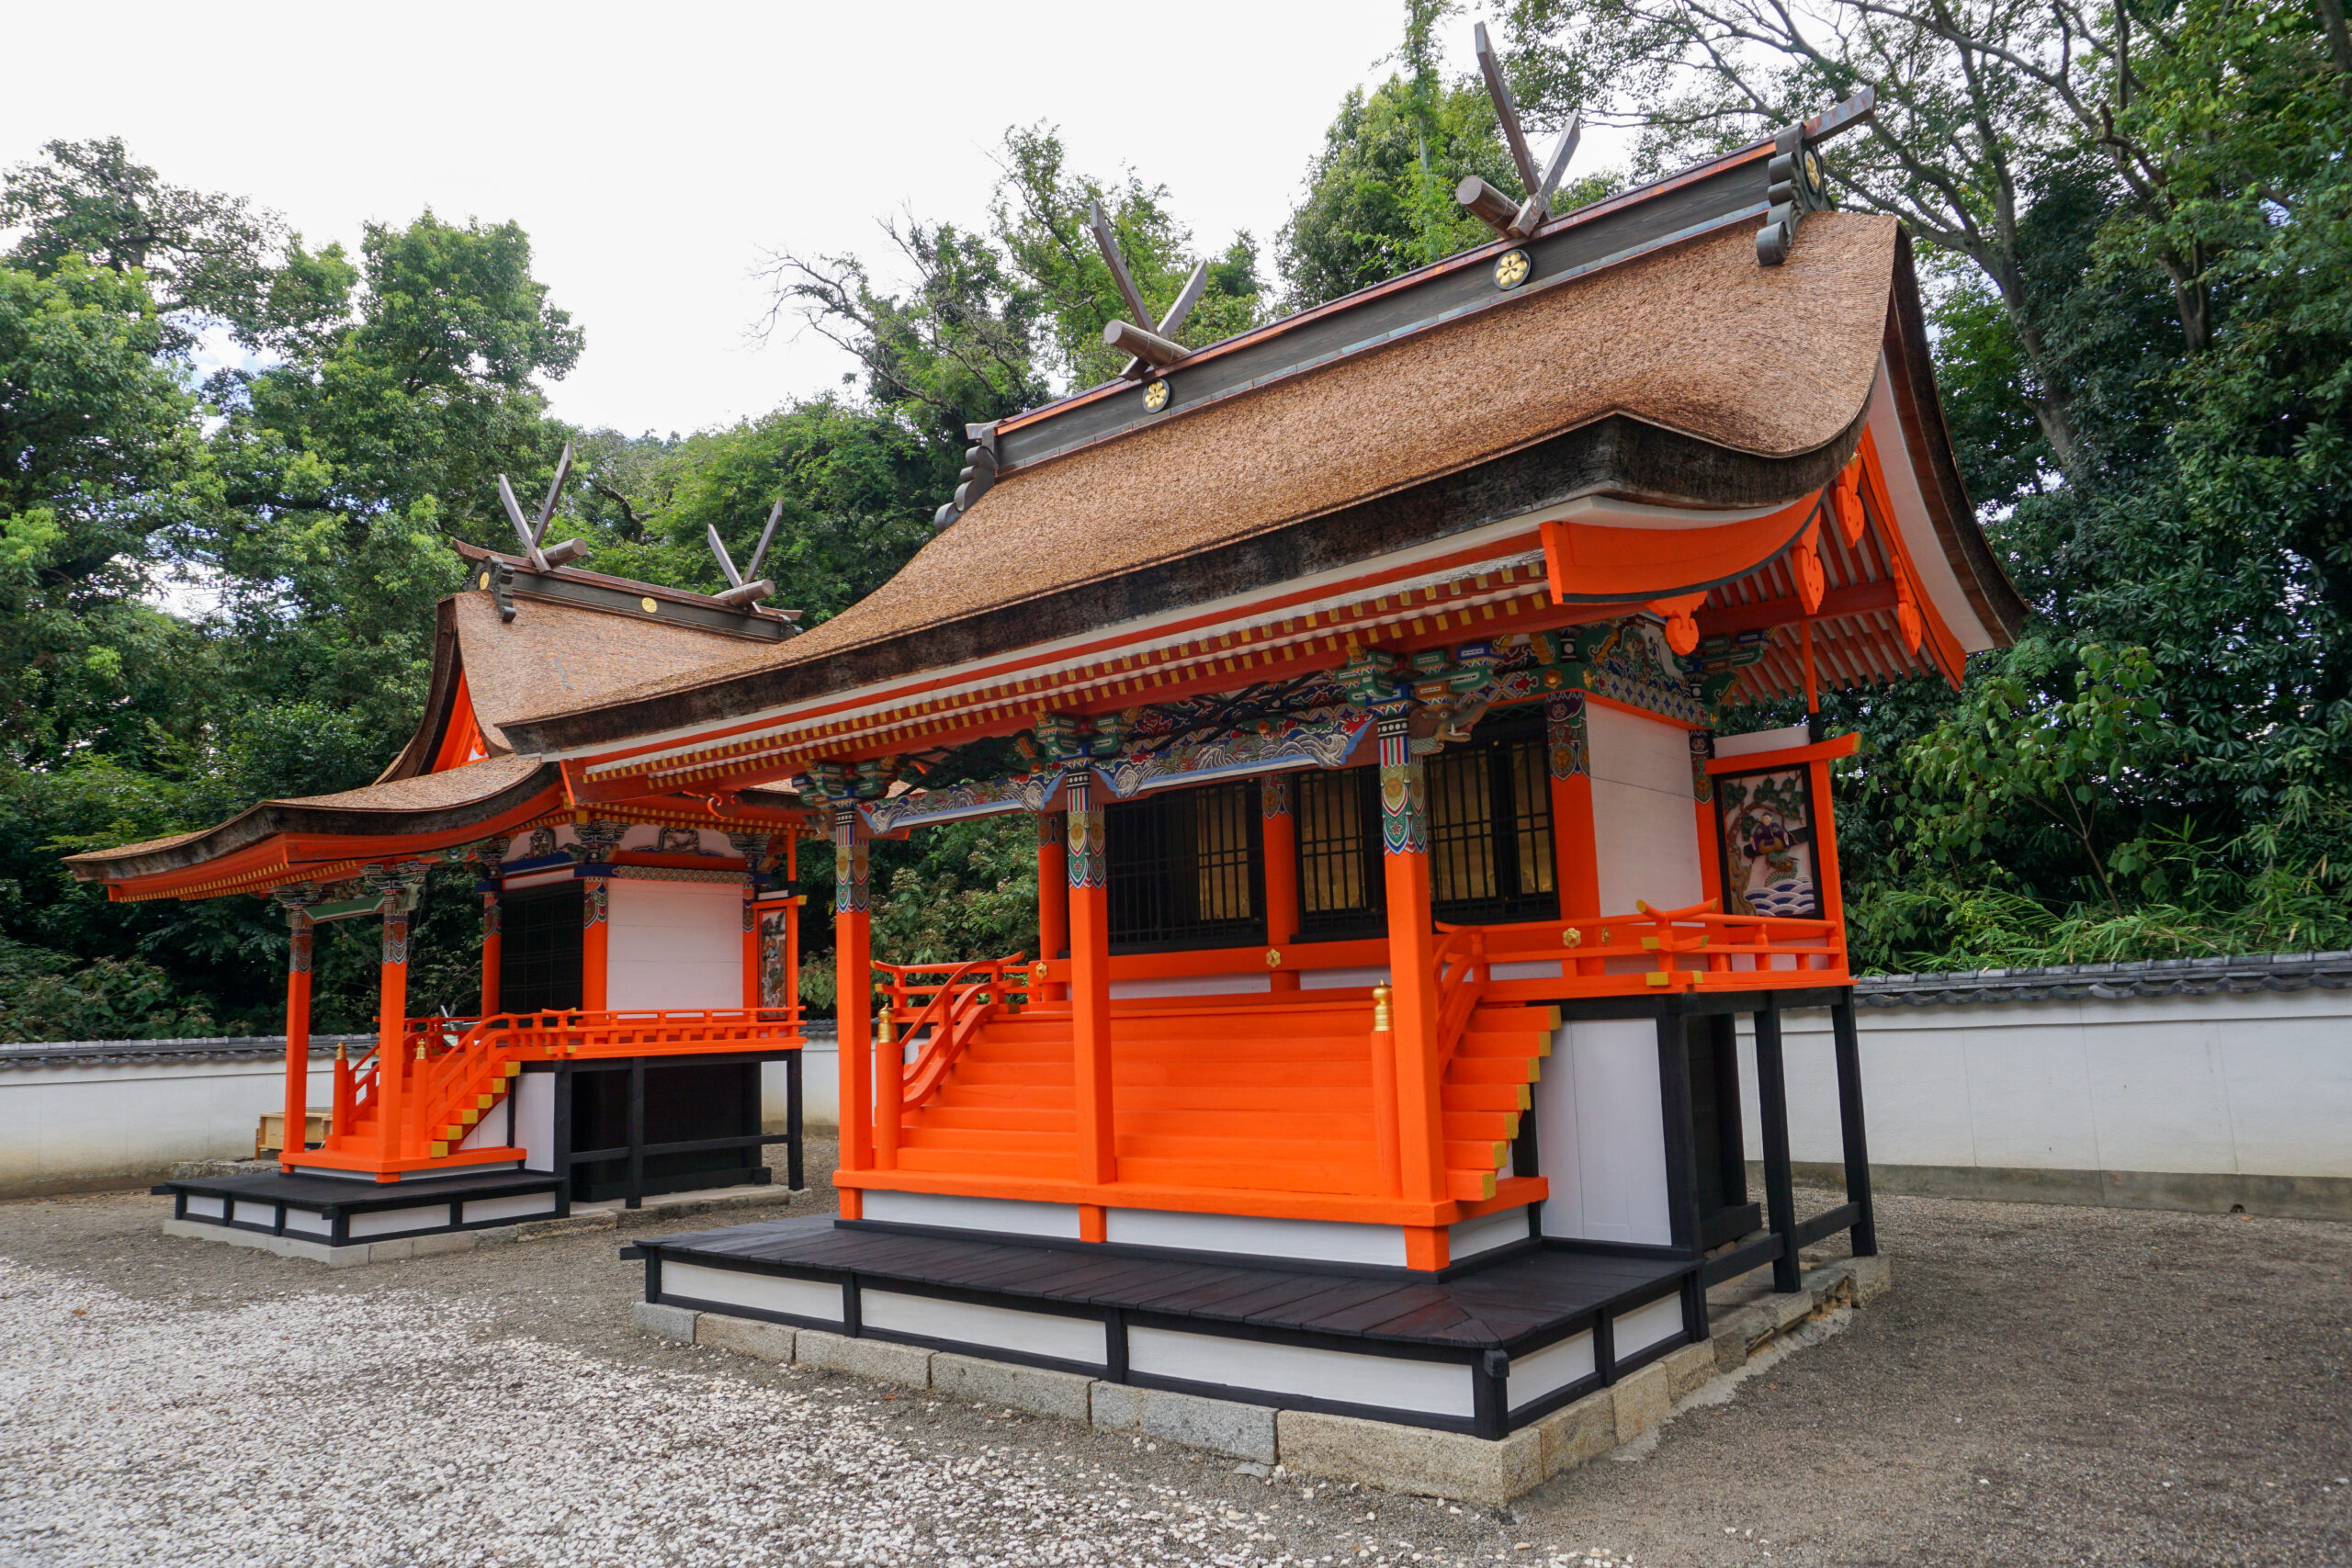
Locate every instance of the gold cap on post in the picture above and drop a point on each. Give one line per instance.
(1382, 1023)
(884, 1026)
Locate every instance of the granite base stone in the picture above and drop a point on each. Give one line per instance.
(1383, 1454)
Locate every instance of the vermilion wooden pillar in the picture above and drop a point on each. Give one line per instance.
(1824, 849)
(1703, 795)
(391, 1030)
(1412, 957)
(1278, 843)
(853, 997)
(1576, 869)
(595, 946)
(1089, 988)
(297, 1037)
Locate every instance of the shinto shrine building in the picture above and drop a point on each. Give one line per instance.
(1379, 682)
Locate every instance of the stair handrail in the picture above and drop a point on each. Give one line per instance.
(1459, 973)
(954, 1015)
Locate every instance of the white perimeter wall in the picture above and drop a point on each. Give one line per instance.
(675, 944)
(81, 1123)
(1645, 820)
(2257, 1084)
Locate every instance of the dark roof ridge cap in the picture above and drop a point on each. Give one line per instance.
(599, 579)
(1631, 197)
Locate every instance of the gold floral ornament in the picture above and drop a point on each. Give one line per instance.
(1512, 268)
(1572, 938)
(1273, 958)
(1154, 395)
(646, 605)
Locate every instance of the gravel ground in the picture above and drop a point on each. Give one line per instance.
(2044, 1386)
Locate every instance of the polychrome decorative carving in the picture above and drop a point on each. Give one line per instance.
(1632, 665)
(1050, 830)
(1089, 866)
(980, 797)
(542, 843)
(299, 956)
(1569, 749)
(596, 901)
(1324, 738)
(1274, 795)
(850, 872)
(1404, 809)
(597, 840)
(1766, 820)
(1703, 751)
(396, 936)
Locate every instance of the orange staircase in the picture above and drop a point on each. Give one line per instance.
(1270, 1093)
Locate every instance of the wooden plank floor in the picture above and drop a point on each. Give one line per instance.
(1522, 1298)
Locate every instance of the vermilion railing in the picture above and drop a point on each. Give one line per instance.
(447, 1064)
(941, 1006)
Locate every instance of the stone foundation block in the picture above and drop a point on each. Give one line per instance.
(447, 1241)
(1001, 1383)
(1642, 1401)
(665, 1321)
(390, 1251)
(1688, 1369)
(1579, 1433)
(1220, 1426)
(877, 1358)
(745, 1335)
(1872, 1278)
(1789, 1309)
(1412, 1459)
(1740, 1334)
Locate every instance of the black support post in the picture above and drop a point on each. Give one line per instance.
(561, 1158)
(1849, 1118)
(1681, 1137)
(1772, 1111)
(636, 1197)
(792, 1178)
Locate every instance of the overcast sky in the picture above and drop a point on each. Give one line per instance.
(654, 153)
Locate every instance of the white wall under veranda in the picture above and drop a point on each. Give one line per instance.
(673, 944)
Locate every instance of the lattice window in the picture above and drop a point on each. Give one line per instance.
(1184, 869)
(1490, 839)
(539, 948)
(1341, 892)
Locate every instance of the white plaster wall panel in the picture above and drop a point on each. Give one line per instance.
(2160, 1097)
(248, 1213)
(1948, 1085)
(970, 1323)
(2028, 1105)
(1471, 1238)
(1322, 1241)
(1787, 737)
(1547, 1370)
(206, 1206)
(308, 1222)
(534, 1118)
(1437, 1388)
(385, 1222)
(1600, 1135)
(2291, 1092)
(1632, 1331)
(75, 1123)
(675, 944)
(1646, 830)
(821, 1089)
(814, 1299)
(520, 1206)
(1005, 1215)
(1194, 986)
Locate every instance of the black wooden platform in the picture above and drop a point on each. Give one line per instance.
(1533, 1301)
(322, 1207)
